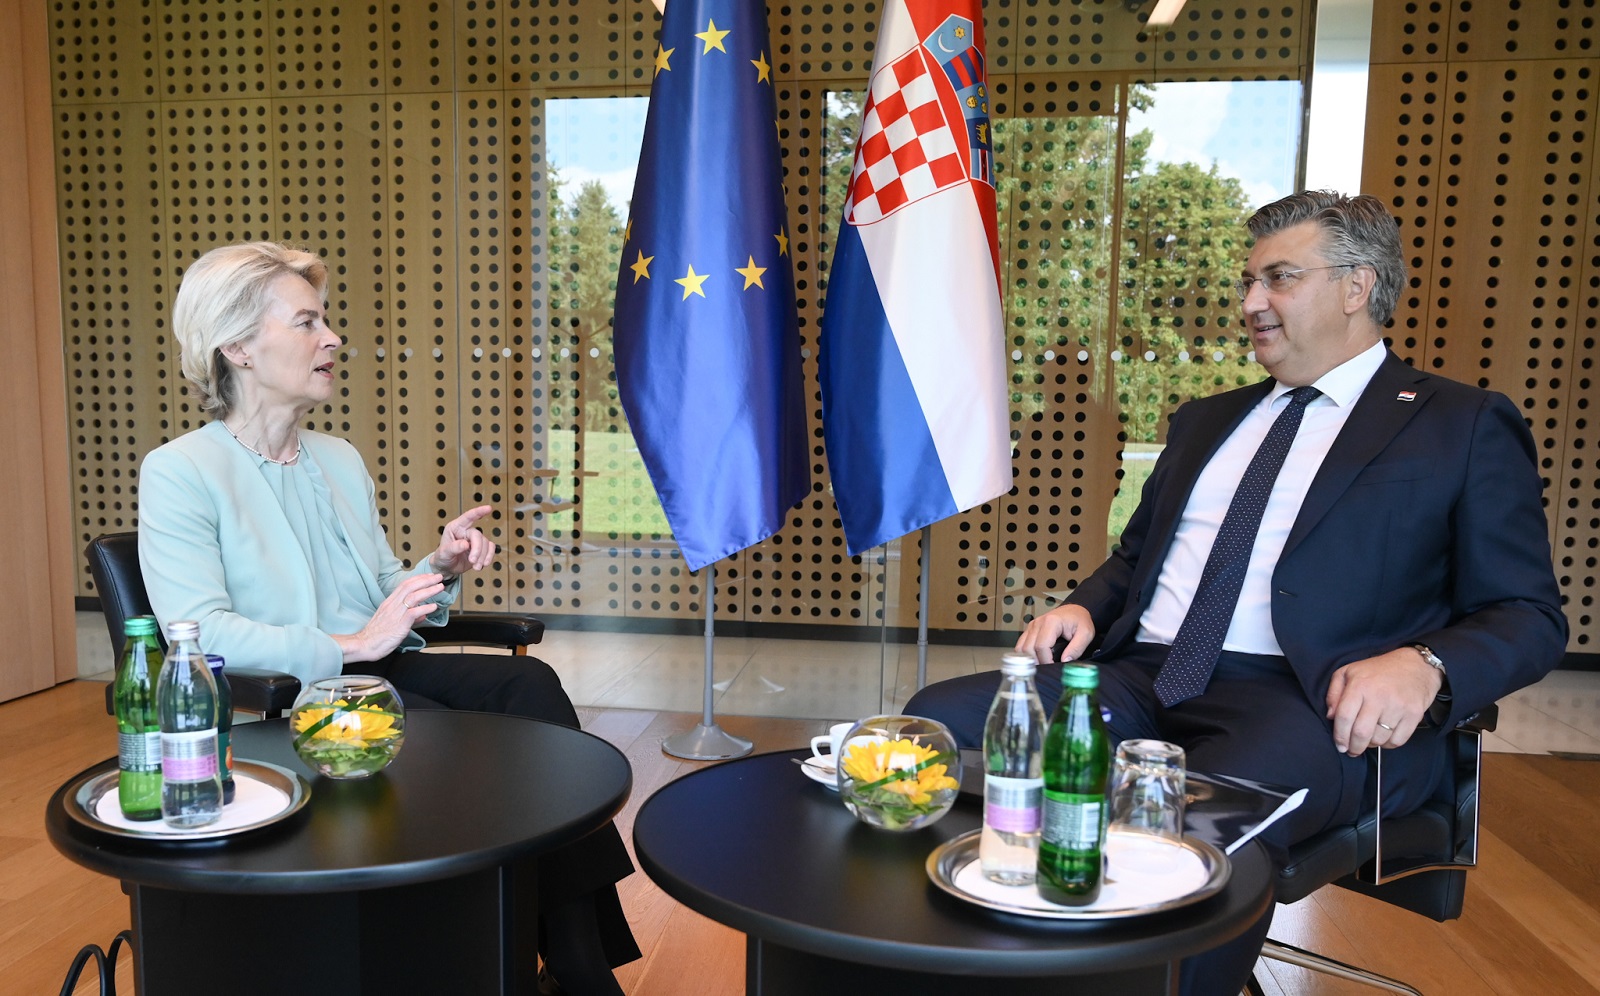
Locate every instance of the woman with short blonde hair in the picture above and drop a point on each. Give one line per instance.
(267, 534)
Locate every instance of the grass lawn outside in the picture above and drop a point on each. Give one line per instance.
(618, 501)
(1138, 460)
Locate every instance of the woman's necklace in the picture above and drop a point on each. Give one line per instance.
(252, 449)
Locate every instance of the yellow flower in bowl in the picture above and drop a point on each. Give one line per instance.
(900, 767)
(896, 772)
(349, 726)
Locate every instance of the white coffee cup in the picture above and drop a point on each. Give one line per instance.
(833, 741)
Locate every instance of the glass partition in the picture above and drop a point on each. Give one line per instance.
(1121, 233)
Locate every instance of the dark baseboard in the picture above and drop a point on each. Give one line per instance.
(779, 630)
(808, 631)
(740, 628)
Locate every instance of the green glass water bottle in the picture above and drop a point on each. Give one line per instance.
(138, 726)
(1077, 759)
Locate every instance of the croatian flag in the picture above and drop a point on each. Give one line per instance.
(706, 337)
(915, 399)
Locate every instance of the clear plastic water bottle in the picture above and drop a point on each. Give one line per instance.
(138, 728)
(186, 698)
(1013, 785)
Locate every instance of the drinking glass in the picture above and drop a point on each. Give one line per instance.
(1147, 787)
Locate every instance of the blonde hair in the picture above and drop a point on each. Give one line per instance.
(221, 302)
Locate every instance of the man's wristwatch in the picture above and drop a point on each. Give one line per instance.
(1432, 658)
(1444, 676)
(1440, 708)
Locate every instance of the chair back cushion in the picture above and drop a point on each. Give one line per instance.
(114, 565)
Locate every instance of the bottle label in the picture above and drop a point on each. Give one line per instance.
(1072, 821)
(189, 757)
(139, 751)
(1012, 804)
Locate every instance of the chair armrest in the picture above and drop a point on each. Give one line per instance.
(270, 693)
(486, 629)
(1483, 721)
(1460, 827)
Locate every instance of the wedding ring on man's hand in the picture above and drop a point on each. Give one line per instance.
(1387, 727)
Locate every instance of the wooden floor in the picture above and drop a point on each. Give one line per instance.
(1531, 922)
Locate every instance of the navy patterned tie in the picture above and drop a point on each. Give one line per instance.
(1199, 641)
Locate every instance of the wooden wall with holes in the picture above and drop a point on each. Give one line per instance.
(1480, 134)
(36, 595)
(407, 140)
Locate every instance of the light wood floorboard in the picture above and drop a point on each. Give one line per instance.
(1532, 910)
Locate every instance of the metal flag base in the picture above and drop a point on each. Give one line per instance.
(707, 743)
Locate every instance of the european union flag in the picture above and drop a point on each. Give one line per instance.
(706, 338)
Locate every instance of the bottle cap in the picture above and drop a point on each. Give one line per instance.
(183, 629)
(1079, 675)
(1018, 665)
(139, 626)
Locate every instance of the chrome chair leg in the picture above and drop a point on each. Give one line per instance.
(1279, 951)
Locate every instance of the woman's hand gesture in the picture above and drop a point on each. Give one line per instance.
(406, 606)
(463, 547)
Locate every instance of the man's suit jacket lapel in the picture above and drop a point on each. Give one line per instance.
(1378, 416)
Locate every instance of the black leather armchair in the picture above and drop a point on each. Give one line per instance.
(114, 565)
(1418, 861)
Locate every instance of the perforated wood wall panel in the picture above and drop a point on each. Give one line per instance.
(1480, 134)
(1037, 541)
(407, 140)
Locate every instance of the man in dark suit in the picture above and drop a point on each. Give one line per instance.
(1398, 581)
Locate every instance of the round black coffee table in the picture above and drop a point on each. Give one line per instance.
(831, 905)
(417, 880)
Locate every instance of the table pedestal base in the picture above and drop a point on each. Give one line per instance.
(774, 970)
(471, 934)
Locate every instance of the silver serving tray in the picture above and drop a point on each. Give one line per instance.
(83, 799)
(951, 857)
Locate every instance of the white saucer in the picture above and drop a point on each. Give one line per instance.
(821, 772)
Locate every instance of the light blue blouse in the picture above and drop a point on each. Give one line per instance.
(344, 601)
(268, 559)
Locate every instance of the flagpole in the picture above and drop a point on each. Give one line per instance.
(922, 609)
(708, 741)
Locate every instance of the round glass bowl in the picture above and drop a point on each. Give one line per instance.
(348, 727)
(899, 772)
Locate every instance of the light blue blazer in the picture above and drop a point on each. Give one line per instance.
(215, 547)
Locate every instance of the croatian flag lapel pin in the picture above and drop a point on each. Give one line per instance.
(1407, 396)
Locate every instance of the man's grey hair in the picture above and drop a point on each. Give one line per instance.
(1357, 231)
